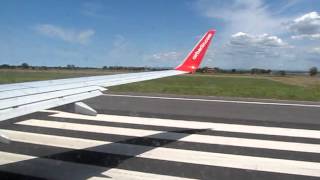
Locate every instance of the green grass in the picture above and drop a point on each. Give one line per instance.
(16, 76)
(224, 86)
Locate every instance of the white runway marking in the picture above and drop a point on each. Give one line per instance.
(216, 100)
(8, 158)
(178, 155)
(171, 154)
(54, 172)
(195, 138)
(52, 140)
(198, 125)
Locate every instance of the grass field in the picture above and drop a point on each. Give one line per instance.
(268, 87)
(284, 88)
(15, 76)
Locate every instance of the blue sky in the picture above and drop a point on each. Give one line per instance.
(274, 34)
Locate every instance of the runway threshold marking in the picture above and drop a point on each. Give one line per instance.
(179, 155)
(57, 167)
(169, 156)
(196, 138)
(252, 129)
(215, 100)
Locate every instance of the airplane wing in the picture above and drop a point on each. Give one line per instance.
(29, 97)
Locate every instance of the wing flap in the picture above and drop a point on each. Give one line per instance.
(47, 104)
(23, 100)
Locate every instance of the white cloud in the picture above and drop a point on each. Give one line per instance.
(244, 50)
(308, 17)
(306, 36)
(119, 41)
(123, 52)
(316, 50)
(168, 59)
(69, 35)
(251, 16)
(119, 47)
(264, 40)
(93, 9)
(258, 46)
(306, 26)
(173, 55)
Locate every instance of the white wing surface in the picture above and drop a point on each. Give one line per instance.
(25, 98)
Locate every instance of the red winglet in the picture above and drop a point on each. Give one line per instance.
(194, 58)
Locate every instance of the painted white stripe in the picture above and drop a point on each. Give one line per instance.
(243, 142)
(52, 140)
(186, 156)
(133, 175)
(88, 128)
(217, 100)
(61, 170)
(198, 125)
(237, 161)
(8, 158)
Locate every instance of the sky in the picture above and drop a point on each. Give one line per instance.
(271, 34)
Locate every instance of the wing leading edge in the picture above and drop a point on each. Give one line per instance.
(25, 98)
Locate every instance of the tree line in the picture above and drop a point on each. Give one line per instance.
(73, 67)
(313, 71)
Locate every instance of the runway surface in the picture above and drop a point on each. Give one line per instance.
(156, 137)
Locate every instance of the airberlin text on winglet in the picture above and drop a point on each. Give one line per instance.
(202, 45)
(194, 58)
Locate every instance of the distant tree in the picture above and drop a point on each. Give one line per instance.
(43, 68)
(233, 70)
(217, 69)
(5, 66)
(25, 66)
(205, 69)
(260, 71)
(282, 73)
(202, 70)
(313, 71)
(71, 66)
(254, 71)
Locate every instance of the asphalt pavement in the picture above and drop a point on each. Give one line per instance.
(150, 136)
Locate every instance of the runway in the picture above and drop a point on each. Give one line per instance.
(138, 136)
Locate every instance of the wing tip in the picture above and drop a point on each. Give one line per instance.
(212, 30)
(194, 59)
